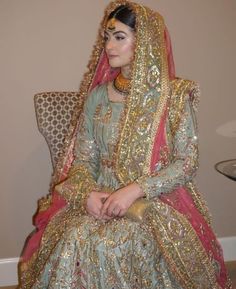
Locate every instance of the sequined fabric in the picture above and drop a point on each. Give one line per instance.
(95, 254)
(79, 252)
(119, 254)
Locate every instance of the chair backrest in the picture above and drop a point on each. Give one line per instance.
(53, 112)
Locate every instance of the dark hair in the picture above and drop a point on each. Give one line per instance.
(125, 15)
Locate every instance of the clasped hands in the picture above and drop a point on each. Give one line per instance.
(105, 206)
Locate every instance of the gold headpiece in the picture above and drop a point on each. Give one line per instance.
(111, 24)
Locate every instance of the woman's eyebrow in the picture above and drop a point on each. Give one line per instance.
(114, 33)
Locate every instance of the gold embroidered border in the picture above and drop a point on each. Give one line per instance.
(165, 91)
(134, 149)
(181, 248)
(199, 203)
(29, 271)
(76, 188)
(181, 89)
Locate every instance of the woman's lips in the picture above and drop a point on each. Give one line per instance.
(112, 56)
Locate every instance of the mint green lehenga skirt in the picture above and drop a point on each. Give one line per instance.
(95, 254)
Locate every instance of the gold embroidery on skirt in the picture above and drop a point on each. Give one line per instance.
(176, 239)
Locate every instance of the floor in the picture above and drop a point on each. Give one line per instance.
(230, 265)
(232, 271)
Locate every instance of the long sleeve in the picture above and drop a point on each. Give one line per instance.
(83, 172)
(184, 162)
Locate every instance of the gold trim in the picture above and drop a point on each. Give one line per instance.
(151, 51)
(181, 89)
(162, 105)
(176, 239)
(44, 203)
(200, 203)
(31, 270)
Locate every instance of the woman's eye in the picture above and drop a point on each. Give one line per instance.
(120, 38)
(105, 38)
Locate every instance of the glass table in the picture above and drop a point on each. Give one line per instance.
(227, 168)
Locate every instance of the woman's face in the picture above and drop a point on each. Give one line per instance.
(119, 44)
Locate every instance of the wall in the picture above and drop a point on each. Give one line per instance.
(45, 45)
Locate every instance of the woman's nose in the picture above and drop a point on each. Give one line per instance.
(109, 45)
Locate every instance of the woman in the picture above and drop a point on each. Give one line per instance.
(124, 212)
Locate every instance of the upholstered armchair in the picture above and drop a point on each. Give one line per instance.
(53, 112)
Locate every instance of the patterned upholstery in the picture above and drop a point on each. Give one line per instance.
(53, 112)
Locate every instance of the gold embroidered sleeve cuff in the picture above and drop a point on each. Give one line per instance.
(144, 186)
(77, 187)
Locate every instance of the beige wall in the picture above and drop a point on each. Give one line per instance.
(45, 45)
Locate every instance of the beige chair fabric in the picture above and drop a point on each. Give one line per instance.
(53, 113)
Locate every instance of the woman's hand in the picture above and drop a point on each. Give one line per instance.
(94, 204)
(118, 203)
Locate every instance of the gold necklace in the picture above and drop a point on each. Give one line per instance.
(122, 84)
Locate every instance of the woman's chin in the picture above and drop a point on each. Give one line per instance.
(113, 65)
